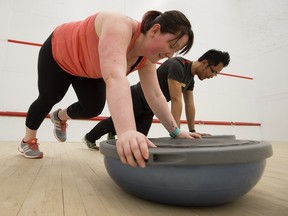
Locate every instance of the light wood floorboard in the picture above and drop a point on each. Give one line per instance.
(72, 180)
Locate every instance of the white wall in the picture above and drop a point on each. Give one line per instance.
(266, 26)
(253, 32)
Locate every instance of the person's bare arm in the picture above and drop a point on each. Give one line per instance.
(157, 101)
(175, 91)
(114, 38)
(189, 109)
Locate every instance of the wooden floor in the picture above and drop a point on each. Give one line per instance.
(71, 180)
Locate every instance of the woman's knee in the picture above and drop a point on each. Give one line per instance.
(47, 101)
(92, 112)
(76, 111)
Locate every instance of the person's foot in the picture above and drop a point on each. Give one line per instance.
(92, 146)
(30, 149)
(59, 126)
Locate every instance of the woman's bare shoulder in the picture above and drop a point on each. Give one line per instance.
(113, 19)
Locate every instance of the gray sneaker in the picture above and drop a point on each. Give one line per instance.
(30, 149)
(110, 136)
(92, 146)
(59, 126)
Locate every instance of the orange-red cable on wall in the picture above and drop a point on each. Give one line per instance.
(99, 118)
(23, 42)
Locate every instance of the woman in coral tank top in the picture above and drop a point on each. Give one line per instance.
(95, 56)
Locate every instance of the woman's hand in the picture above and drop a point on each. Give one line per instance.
(187, 134)
(132, 148)
(204, 134)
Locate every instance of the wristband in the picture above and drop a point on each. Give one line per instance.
(174, 133)
(192, 131)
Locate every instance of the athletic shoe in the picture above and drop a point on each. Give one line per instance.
(92, 146)
(59, 126)
(110, 136)
(30, 149)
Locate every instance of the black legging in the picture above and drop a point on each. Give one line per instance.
(53, 83)
(143, 118)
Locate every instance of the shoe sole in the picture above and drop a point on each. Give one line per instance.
(95, 149)
(91, 149)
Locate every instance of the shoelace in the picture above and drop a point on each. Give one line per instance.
(33, 144)
(61, 125)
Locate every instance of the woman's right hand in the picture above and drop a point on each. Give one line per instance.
(132, 148)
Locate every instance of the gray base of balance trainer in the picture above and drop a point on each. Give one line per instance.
(191, 172)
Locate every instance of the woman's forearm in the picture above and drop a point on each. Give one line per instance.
(120, 104)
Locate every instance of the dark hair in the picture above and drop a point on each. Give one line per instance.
(214, 57)
(173, 22)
